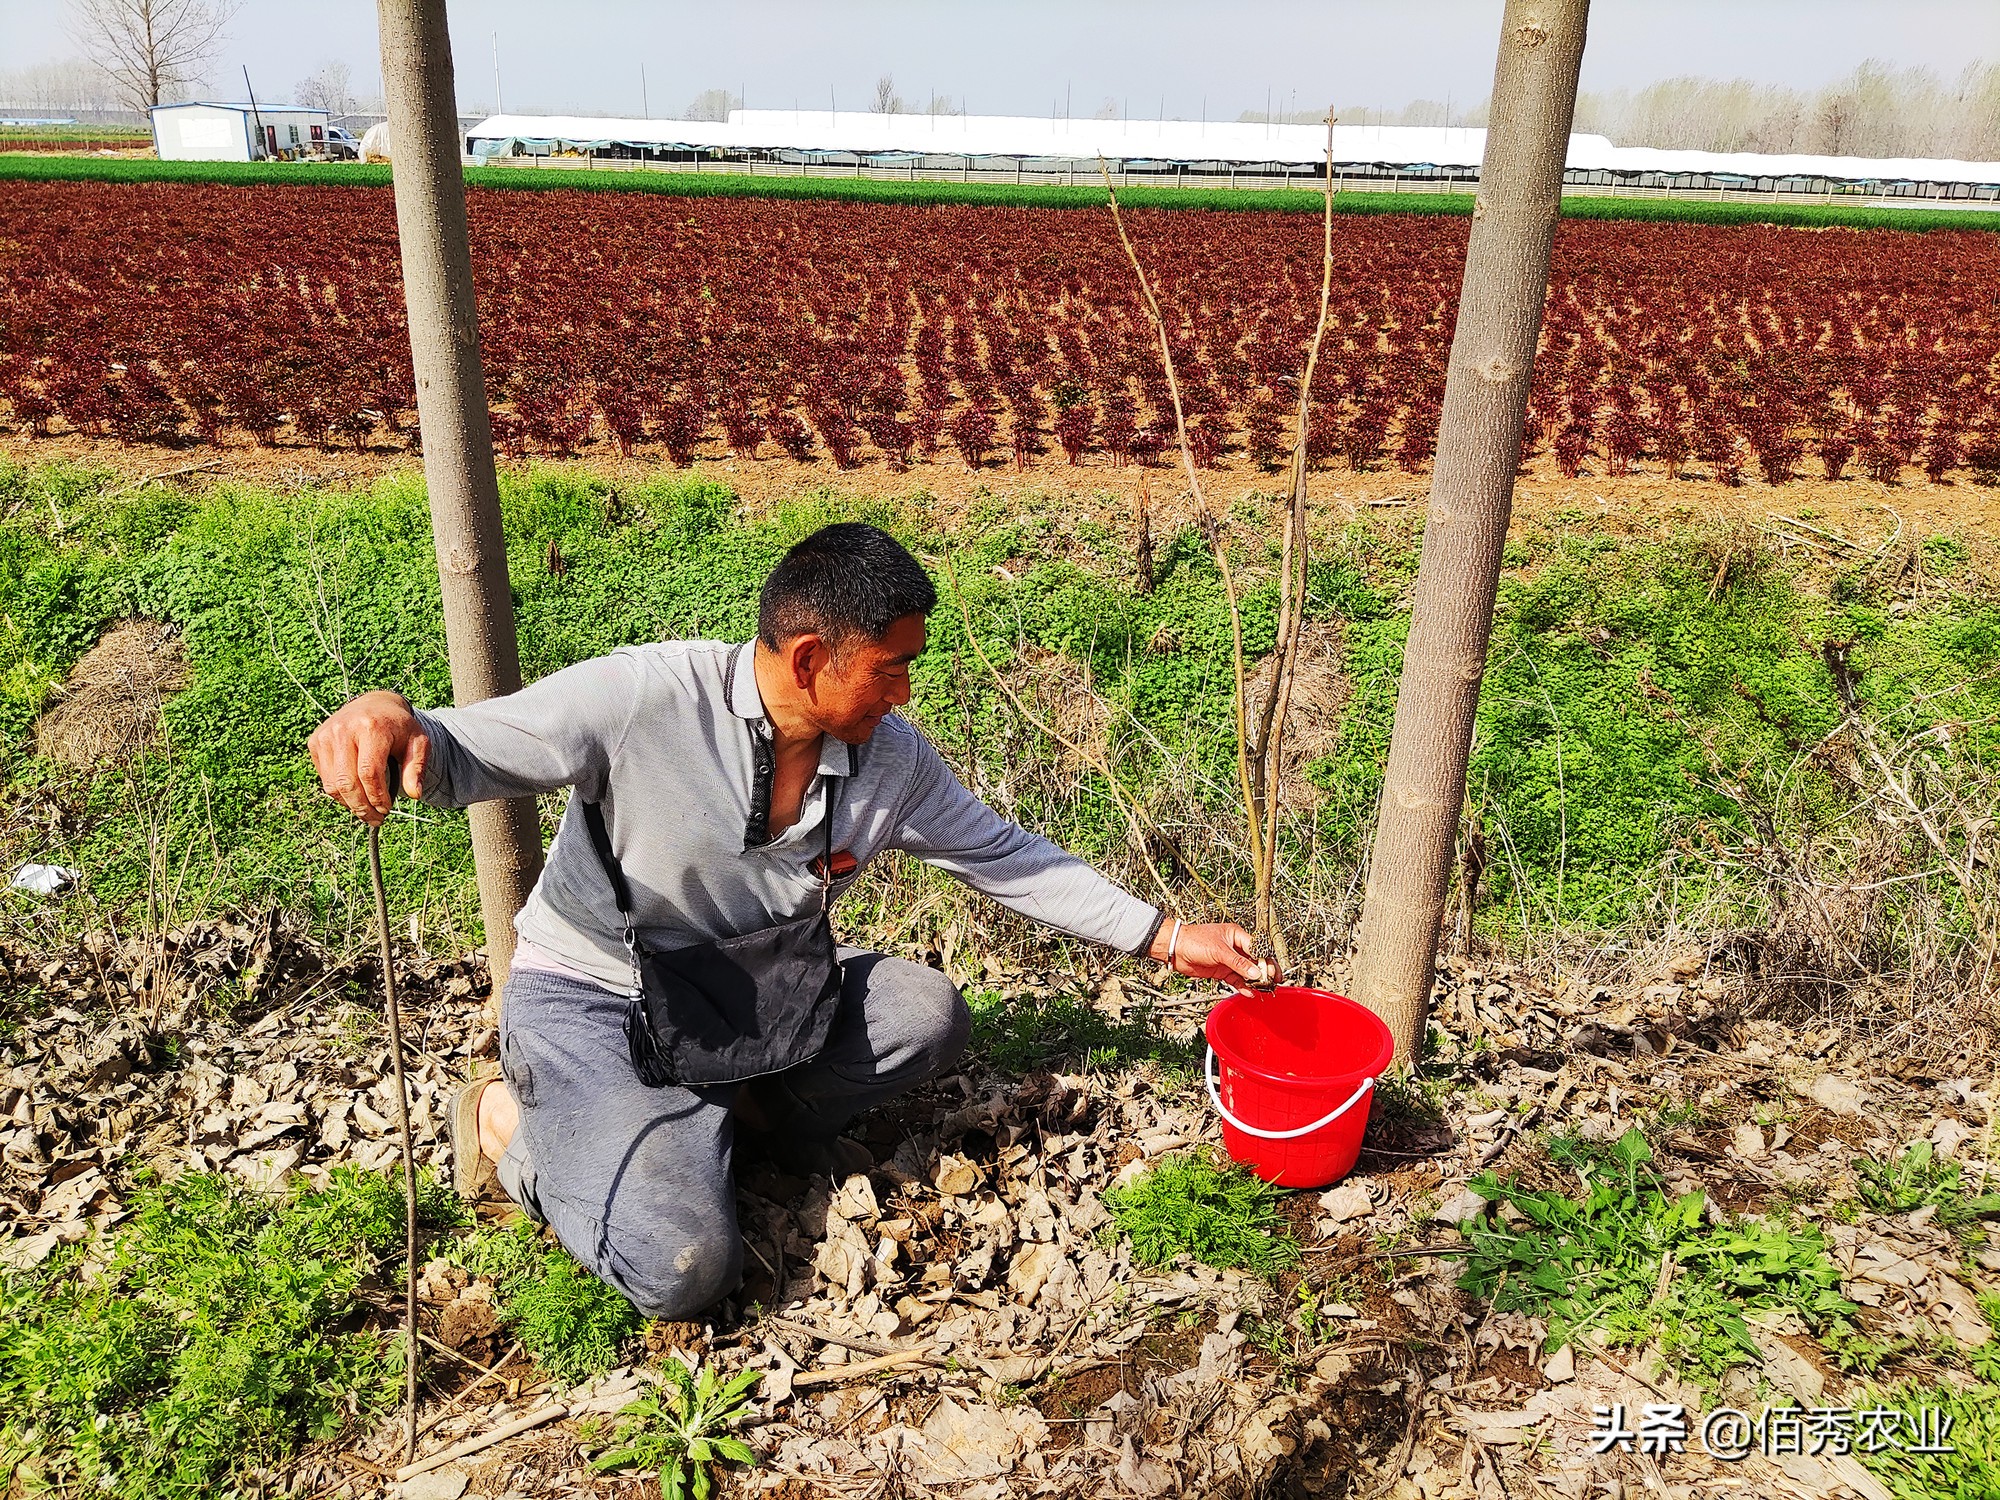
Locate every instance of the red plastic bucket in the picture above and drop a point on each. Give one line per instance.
(1292, 1073)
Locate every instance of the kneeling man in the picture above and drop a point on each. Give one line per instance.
(676, 981)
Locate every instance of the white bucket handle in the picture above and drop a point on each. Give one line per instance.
(1215, 1098)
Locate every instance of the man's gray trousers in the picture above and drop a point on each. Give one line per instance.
(637, 1181)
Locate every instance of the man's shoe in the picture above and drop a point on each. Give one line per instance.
(471, 1171)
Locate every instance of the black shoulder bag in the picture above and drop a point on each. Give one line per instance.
(735, 1008)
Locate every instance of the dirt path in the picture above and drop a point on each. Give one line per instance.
(1858, 509)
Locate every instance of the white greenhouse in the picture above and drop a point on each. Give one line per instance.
(1020, 148)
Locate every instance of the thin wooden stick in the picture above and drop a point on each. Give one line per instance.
(403, 1129)
(838, 1373)
(555, 1411)
(826, 1336)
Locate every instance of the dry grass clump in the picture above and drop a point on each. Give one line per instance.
(109, 709)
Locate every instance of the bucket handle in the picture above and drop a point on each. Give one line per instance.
(1215, 1098)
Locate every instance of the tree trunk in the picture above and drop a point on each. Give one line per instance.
(457, 438)
(1472, 492)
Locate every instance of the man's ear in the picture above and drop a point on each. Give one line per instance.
(805, 655)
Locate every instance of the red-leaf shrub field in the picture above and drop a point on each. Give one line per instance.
(977, 335)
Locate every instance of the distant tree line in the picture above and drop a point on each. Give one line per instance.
(883, 99)
(1877, 110)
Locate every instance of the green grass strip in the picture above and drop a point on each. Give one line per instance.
(718, 184)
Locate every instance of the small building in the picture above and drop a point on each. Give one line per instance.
(205, 131)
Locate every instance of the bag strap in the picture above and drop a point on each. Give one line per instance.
(833, 790)
(600, 839)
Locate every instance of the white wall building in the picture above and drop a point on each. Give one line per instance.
(238, 132)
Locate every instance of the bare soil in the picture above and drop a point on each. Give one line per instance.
(1852, 509)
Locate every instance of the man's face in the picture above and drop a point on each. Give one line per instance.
(861, 686)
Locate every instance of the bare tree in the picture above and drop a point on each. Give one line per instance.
(1833, 125)
(330, 87)
(151, 48)
(1976, 104)
(69, 85)
(458, 435)
(1876, 110)
(1472, 493)
(886, 101)
(713, 105)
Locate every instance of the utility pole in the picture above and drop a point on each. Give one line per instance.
(1472, 494)
(421, 97)
(645, 105)
(255, 114)
(499, 105)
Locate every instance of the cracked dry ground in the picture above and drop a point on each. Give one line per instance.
(956, 1321)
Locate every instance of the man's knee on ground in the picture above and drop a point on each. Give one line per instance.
(674, 1275)
(938, 1019)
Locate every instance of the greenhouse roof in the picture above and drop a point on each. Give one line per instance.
(826, 132)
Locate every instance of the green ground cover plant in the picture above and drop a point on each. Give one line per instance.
(1970, 1472)
(11, 135)
(1613, 665)
(1018, 1035)
(568, 1322)
(883, 190)
(1191, 1204)
(222, 1332)
(681, 1430)
(1918, 1178)
(1629, 1264)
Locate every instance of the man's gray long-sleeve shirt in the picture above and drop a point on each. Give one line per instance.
(662, 737)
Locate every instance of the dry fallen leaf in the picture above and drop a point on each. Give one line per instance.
(956, 1176)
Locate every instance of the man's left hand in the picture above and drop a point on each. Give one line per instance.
(1210, 950)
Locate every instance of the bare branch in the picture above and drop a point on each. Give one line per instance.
(1268, 751)
(150, 49)
(1211, 528)
(1259, 744)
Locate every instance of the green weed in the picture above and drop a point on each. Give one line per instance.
(1189, 1205)
(1017, 1035)
(220, 1335)
(1970, 1472)
(289, 603)
(1599, 1265)
(681, 1430)
(568, 1321)
(1918, 1178)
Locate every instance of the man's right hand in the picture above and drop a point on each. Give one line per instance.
(353, 748)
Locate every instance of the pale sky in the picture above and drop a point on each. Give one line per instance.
(1023, 56)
